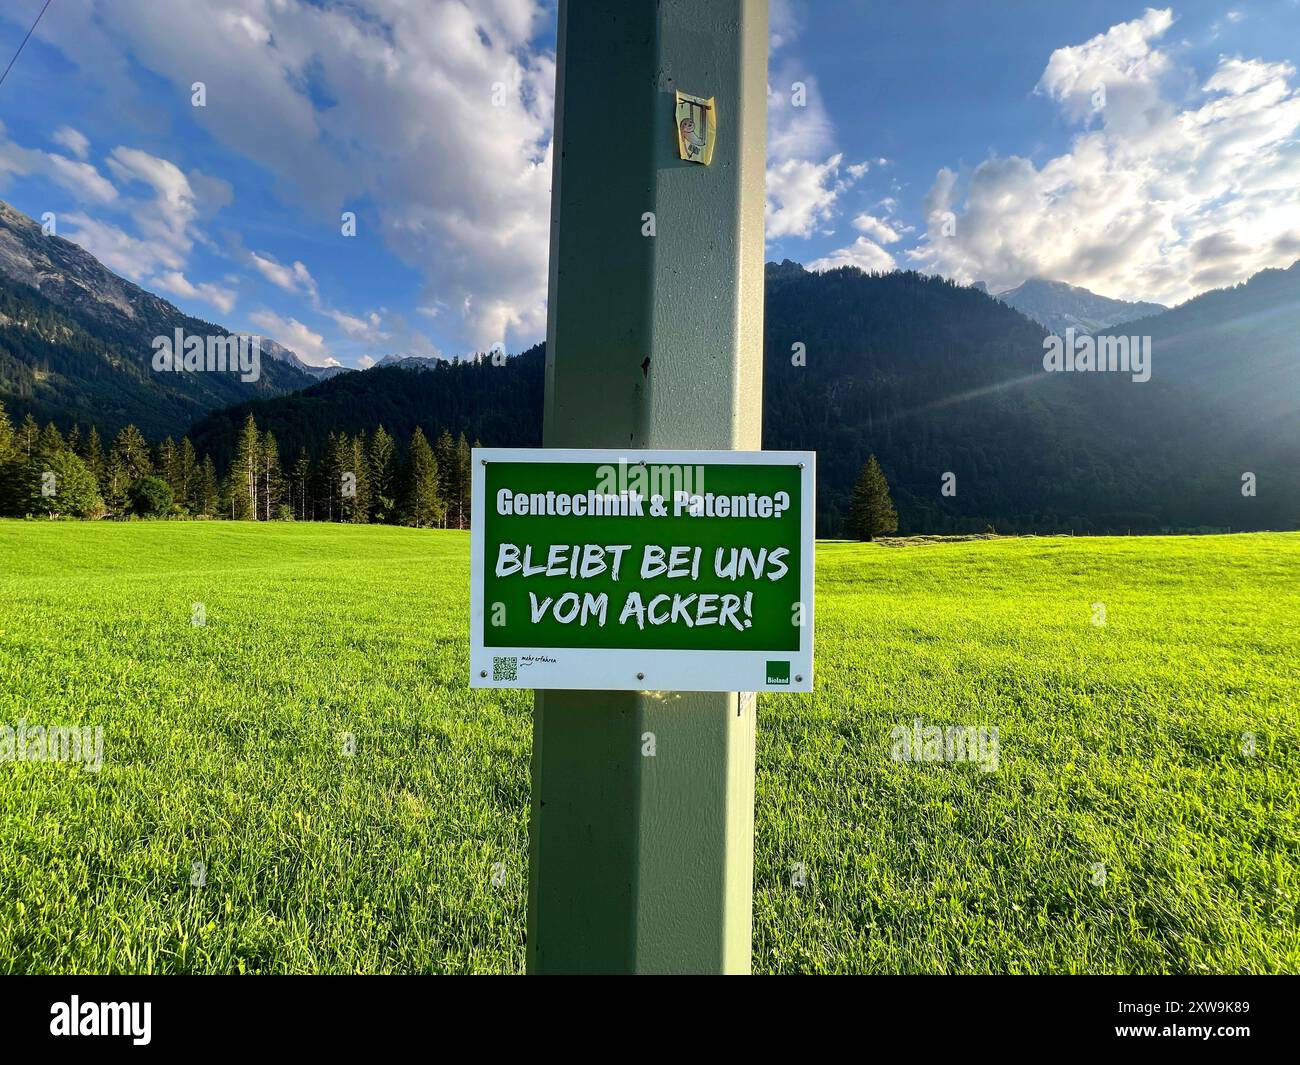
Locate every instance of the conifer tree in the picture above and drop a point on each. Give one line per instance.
(187, 470)
(871, 512)
(10, 488)
(131, 450)
(243, 478)
(28, 434)
(114, 486)
(300, 486)
(464, 479)
(7, 441)
(166, 465)
(383, 476)
(338, 464)
(93, 455)
(424, 505)
(50, 442)
(359, 463)
(206, 495)
(324, 472)
(271, 479)
(444, 452)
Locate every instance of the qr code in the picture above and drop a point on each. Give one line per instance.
(505, 668)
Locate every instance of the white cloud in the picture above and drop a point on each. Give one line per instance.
(295, 278)
(114, 247)
(80, 179)
(167, 218)
(801, 195)
(74, 140)
(1122, 63)
(783, 23)
(866, 252)
(387, 111)
(798, 124)
(307, 345)
(863, 253)
(803, 171)
(878, 229)
(1159, 197)
(175, 282)
(368, 329)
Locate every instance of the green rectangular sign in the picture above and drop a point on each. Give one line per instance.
(642, 570)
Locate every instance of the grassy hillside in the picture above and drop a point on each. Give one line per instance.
(225, 744)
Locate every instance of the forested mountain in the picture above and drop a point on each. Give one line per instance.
(937, 378)
(500, 406)
(76, 343)
(1240, 347)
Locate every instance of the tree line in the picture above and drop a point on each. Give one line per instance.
(369, 477)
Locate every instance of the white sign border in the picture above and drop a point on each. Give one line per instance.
(630, 669)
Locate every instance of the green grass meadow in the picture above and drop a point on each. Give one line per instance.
(1124, 830)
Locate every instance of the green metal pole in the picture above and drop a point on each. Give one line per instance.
(643, 862)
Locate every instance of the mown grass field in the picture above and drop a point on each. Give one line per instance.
(224, 744)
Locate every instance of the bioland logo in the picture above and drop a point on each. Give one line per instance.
(1098, 354)
(53, 743)
(75, 1017)
(240, 353)
(778, 673)
(950, 743)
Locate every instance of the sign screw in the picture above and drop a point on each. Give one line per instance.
(640, 676)
(482, 672)
(798, 679)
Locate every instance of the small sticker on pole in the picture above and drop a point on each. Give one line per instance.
(697, 127)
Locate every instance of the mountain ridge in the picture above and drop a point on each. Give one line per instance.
(1058, 305)
(76, 342)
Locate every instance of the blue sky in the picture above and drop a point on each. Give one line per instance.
(1141, 152)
